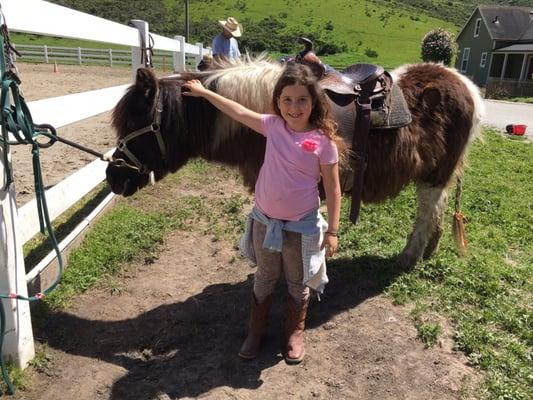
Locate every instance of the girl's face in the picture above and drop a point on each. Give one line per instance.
(295, 104)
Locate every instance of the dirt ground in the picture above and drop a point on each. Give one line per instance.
(59, 161)
(174, 327)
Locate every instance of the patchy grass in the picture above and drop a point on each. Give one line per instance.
(486, 296)
(522, 99)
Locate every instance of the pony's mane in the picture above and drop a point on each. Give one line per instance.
(251, 83)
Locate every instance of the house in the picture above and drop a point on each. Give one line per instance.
(496, 49)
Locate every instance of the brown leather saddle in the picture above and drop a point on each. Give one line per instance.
(363, 98)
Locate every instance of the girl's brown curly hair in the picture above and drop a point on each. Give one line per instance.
(320, 118)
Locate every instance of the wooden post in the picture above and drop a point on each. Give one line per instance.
(200, 54)
(522, 76)
(46, 54)
(110, 57)
(18, 344)
(136, 52)
(179, 57)
(504, 67)
(79, 55)
(18, 341)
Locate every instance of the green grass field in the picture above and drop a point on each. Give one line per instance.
(391, 31)
(486, 296)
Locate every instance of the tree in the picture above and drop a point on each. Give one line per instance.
(438, 45)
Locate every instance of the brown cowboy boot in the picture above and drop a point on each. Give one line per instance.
(295, 326)
(257, 326)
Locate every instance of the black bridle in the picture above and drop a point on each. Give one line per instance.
(155, 128)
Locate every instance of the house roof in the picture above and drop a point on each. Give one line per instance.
(508, 23)
(521, 48)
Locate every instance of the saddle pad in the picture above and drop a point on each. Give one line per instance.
(390, 112)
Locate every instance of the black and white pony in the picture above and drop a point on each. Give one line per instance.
(159, 130)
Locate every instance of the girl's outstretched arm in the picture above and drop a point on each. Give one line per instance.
(332, 187)
(233, 109)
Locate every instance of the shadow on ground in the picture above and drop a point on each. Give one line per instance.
(188, 348)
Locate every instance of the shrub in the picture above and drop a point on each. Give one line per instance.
(331, 48)
(438, 45)
(371, 53)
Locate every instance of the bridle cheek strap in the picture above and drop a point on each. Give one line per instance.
(155, 128)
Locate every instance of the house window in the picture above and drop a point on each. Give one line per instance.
(464, 62)
(483, 60)
(477, 28)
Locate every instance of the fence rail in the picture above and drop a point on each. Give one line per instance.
(91, 56)
(504, 88)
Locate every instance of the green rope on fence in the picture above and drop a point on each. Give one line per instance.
(16, 119)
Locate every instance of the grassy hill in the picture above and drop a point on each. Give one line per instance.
(359, 26)
(386, 32)
(454, 11)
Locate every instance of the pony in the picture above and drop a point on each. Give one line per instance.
(159, 130)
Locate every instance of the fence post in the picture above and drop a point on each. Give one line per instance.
(110, 57)
(137, 52)
(79, 55)
(200, 54)
(179, 57)
(18, 341)
(46, 54)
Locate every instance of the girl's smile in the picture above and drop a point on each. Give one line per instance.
(295, 105)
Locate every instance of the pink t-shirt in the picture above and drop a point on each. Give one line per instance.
(287, 185)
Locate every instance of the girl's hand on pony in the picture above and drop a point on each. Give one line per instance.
(195, 87)
(330, 243)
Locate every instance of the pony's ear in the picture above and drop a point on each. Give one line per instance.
(146, 81)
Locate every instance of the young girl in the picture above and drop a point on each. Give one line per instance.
(285, 231)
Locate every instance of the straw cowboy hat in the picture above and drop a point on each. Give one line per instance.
(232, 26)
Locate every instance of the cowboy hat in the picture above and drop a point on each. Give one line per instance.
(232, 26)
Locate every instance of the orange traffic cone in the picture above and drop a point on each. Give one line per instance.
(56, 70)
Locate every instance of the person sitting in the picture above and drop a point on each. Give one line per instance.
(225, 46)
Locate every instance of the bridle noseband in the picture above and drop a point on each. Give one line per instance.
(155, 128)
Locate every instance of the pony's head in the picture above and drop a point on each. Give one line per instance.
(159, 130)
(142, 131)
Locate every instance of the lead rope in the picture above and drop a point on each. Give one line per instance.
(16, 118)
(458, 224)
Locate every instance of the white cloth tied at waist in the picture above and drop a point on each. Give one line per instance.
(312, 228)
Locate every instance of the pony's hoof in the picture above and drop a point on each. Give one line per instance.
(407, 261)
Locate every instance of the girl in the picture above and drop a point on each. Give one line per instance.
(285, 231)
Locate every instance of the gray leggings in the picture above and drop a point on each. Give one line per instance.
(270, 264)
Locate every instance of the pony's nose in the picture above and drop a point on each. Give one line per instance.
(113, 183)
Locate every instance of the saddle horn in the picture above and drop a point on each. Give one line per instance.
(308, 46)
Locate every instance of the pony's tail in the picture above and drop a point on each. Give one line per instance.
(458, 224)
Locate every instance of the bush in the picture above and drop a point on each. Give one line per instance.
(371, 53)
(438, 45)
(331, 48)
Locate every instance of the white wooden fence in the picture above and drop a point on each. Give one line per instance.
(18, 225)
(89, 56)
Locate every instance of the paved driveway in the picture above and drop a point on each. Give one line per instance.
(502, 113)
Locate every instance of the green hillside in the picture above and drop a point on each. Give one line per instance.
(386, 32)
(358, 28)
(455, 11)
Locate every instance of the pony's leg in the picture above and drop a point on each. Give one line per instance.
(427, 230)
